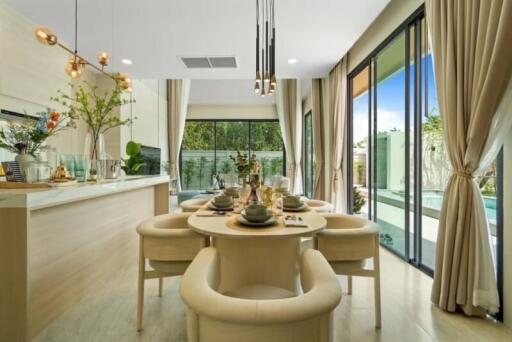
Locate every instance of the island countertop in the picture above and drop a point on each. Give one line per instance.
(42, 198)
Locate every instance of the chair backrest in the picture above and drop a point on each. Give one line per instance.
(193, 204)
(168, 238)
(347, 238)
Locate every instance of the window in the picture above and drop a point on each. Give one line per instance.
(398, 160)
(208, 144)
(309, 156)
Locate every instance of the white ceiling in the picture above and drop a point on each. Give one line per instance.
(155, 33)
(235, 92)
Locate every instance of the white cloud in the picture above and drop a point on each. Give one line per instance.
(386, 121)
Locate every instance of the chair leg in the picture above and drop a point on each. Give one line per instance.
(160, 286)
(376, 286)
(349, 284)
(140, 289)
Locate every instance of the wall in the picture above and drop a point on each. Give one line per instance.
(232, 111)
(149, 115)
(390, 18)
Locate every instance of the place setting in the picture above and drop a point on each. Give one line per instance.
(294, 204)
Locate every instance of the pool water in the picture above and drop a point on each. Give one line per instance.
(434, 200)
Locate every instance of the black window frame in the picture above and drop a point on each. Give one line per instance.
(308, 165)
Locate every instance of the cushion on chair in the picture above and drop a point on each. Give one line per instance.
(259, 292)
(171, 267)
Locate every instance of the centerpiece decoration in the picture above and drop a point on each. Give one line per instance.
(97, 110)
(248, 172)
(24, 138)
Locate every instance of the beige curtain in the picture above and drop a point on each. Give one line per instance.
(178, 92)
(473, 65)
(318, 140)
(338, 107)
(289, 111)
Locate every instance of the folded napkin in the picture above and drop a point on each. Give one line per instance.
(294, 222)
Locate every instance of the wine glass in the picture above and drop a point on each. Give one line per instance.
(277, 199)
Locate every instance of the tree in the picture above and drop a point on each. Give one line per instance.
(189, 171)
(202, 163)
(358, 200)
(276, 166)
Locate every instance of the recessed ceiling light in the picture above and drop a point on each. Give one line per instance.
(126, 61)
(292, 61)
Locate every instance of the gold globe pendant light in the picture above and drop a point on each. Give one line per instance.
(265, 82)
(76, 63)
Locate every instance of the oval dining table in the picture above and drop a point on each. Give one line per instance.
(257, 255)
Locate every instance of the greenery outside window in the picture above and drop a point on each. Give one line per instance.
(208, 144)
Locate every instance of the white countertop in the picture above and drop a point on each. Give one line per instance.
(41, 198)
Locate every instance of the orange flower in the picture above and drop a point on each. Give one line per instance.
(51, 125)
(54, 116)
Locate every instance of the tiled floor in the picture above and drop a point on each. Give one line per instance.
(407, 313)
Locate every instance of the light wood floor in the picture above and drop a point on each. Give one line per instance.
(407, 314)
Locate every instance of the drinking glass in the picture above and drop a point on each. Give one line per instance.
(68, 160)
(277, 199)
(243, 193)
(80, 167)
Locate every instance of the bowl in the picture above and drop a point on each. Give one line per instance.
(223, 201)
(292, 202)
(256, 213)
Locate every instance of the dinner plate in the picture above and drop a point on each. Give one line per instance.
(214, 207)
(303, 207)
(271, 221)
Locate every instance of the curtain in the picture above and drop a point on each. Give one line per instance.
(289, 111)
(472, 63)
(318, 140)
(338, 108)
(178, 92)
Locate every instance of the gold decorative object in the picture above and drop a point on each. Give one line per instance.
(76, 64)
(61, 174)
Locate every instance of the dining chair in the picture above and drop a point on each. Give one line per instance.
(194, 204)
(319, 206)
(169, 246)
(259, 312)
(347, 243)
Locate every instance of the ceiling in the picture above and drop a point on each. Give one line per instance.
(233, 92)
(154, 34)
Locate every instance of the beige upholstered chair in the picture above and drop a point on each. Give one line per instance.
(259, 312)
(347, 242)
(169, 245)
(319, 206)
(193, 204)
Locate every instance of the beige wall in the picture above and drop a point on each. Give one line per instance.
(231, 111)
(390, 18)
(31, 72)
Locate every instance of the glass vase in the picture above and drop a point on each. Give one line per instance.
(94, 150)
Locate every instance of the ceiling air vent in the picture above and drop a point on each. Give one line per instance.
(222, 62)
(209, 62)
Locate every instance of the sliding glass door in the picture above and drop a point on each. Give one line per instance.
(399, 164)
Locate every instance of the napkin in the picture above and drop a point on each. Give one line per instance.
(294, 222)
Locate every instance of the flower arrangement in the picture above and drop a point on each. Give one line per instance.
(28, 136)
(97, 110)
(244, 165)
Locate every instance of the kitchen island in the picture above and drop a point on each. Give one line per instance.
(60, 245)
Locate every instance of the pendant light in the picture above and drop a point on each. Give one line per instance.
(76, 64)
(265, 81)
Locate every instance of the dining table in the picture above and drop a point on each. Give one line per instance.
(257, 255)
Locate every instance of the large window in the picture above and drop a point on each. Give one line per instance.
(208, 144)
(309, 156)
(399, 164)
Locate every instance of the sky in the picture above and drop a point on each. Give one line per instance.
(390, 104)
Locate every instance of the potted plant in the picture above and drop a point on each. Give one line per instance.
(97, 111)
(26, 137)
(133, 164)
